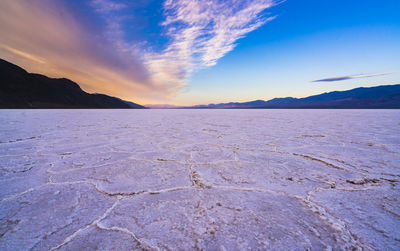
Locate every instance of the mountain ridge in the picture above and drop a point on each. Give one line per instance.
(377, 97)
(20, 89)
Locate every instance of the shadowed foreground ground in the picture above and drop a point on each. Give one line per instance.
(199, 179)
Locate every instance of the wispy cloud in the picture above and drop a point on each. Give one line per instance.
(201, 32)
(44, 37)
(22, 54)
(105, 6)
(342, 78)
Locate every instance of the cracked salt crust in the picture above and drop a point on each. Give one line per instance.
(199, 179)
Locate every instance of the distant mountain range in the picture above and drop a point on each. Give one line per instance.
(379, 97)
(164, 106)
(20, 89)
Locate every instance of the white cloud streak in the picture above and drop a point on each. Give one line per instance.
(201, 32)
(41, 36)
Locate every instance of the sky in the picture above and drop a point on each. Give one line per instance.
(189, 52)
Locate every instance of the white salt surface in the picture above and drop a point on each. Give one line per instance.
(199, 179)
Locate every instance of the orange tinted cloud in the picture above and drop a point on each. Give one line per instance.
(42, 37)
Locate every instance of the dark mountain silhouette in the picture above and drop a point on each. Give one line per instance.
(20, 89)
(132, 105)
(379, 97)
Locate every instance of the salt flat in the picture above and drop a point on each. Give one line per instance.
(199, 179)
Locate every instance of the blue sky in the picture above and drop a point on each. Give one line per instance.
(189, 52)
(308, 40)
